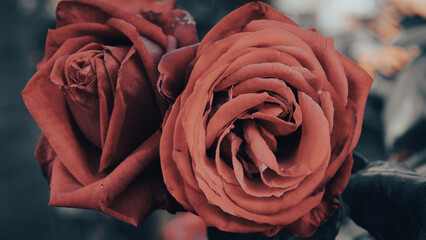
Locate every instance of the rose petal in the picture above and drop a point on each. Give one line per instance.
(172, 176)
(113, 57)
(87, 11)
(147, 60)
(120, 193)
(290, 75)
(133, 101)
(306, 225)
(177, 23)
(253, 187)
(44, 101)
(218, 197)
(82, 98)
(341, 140)
(327, 107)
(230, 111)
(235, 20)
(269, 138)
(323, 49)
(359, 86)
(315, 137)
(173, 71)
(274, 124)
(213, 216)
(45, 156)
(57, 38)
(224, 145)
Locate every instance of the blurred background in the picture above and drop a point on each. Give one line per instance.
(385, 37)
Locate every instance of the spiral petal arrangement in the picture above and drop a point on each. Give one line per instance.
(261, 136)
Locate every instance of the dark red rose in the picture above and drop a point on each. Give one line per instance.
(261, 137)
(95, 99)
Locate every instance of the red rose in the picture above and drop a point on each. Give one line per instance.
(94, 97)
(261, 137)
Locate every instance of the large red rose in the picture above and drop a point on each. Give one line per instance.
(261, 137)
(95, 99)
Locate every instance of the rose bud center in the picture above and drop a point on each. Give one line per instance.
(77, 76)
(81, 71)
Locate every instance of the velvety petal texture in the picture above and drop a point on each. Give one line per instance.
(95, 99)
(264, 119)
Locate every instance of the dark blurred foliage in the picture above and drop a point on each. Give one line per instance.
(387, 199)
(24, 213)
(405, 109)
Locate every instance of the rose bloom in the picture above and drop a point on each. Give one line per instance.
(94, 97)
(261, 137)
